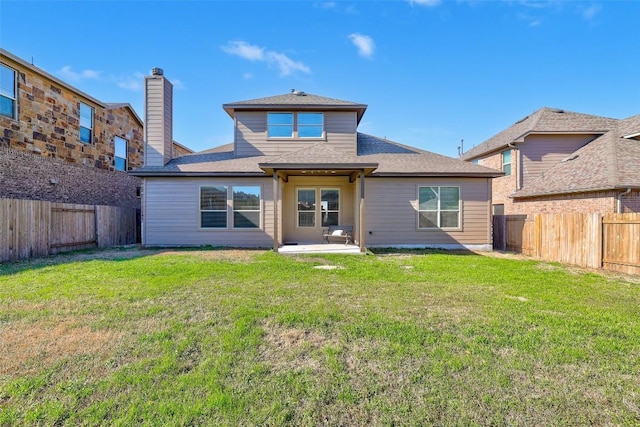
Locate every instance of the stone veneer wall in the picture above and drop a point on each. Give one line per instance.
(26, 175)
(48, 124)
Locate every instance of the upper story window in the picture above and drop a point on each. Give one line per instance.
(86, 123)
(291, 125)
(310, 125)
(506, 162)
(120, 155)
(280, 125)
(7, 92)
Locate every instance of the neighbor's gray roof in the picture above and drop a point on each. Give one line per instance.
(544, 120)
(391, 159)
(295, 100)
(609, 162)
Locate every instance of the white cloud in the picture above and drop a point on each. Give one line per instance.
(591, 11)
(532, 21)
(365, 44)
(67, 73)
(133, 82)
(244, 50)
(178, 84)
(427, 3)
(326, 4)
(250, 52)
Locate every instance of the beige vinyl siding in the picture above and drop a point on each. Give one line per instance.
(251, 134)
(391, 212)
(540, 152)
(341, 129)
(293, 233)
(158, 130)
(172, 214)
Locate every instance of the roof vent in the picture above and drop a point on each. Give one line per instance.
(558, 110)
(298, 92)
(157, 72)
(522, 119)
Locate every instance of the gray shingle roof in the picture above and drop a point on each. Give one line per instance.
(609, 162)
(544, 120)
(391, 159)
(295, 100)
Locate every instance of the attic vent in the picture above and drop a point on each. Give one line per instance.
(557, 110)
(298, 92)
(522, 120)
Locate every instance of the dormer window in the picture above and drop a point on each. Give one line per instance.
(295, 125)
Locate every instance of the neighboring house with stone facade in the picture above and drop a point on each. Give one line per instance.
(298, 166)
(60, 144)
(558, 161)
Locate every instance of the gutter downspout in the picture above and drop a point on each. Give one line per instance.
(619, 201)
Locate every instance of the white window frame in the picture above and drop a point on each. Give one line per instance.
(293, 124)
(318, 211)
(225, 210)
(234, 210)
(92, 119)
(298, 125)
(14, 98)
(315, 209)
(115, 153)
(510, 162)
(229, 207)
(328, 211)
(439, 210)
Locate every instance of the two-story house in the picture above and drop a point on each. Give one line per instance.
(557, 161)
(298, 165)
(60, 144)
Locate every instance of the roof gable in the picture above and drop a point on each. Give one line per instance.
(544, 120)
(609, 162)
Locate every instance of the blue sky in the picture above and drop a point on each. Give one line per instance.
(432, 72)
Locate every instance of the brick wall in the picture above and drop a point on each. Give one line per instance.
(26, 175)
(503, 186)
(48, 123)
(631, 203)
(597, 202)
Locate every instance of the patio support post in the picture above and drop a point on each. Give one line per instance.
(276, 221)
(362, 231)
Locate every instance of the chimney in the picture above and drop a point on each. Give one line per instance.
(158, 119)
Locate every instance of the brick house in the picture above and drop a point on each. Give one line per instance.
(557, 161)
(60, 144)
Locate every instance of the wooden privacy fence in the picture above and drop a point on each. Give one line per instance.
(610, 241)
(32, 228)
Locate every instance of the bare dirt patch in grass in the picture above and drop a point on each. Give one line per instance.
(287, 348)
(33, 346)
(237, 255)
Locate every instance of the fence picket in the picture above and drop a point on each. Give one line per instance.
(32, 228)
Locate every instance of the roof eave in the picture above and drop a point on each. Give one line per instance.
(230, 109)
(576, 191)
(439, 174)
(147, 174)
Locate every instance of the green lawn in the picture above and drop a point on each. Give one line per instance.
(255, 338)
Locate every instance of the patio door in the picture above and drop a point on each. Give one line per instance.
(317, 208)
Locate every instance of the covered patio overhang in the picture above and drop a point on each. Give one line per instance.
(355, 171)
